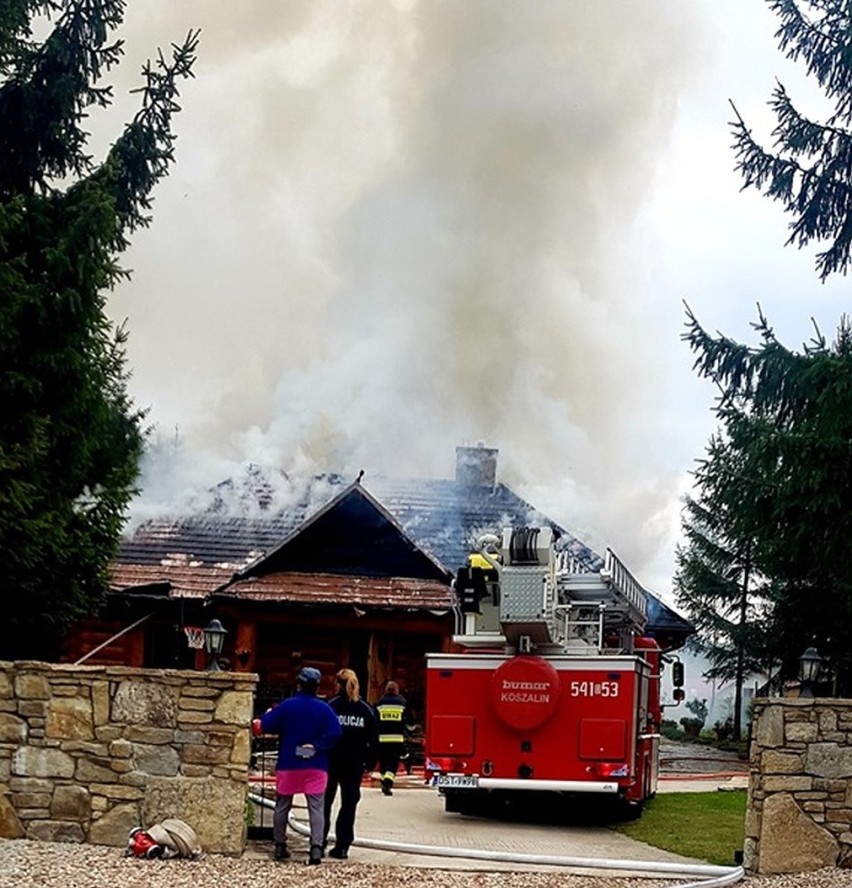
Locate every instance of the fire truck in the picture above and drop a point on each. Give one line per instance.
(556, 688)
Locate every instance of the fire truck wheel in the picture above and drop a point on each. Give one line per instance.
(629, 811)
(467, 803)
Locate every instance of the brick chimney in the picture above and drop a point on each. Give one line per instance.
(476, 466)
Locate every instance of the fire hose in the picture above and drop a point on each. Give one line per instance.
(709, 875)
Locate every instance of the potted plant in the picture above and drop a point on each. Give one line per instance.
(692, 724)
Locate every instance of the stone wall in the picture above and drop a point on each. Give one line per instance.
(800, 796)
(88, 752)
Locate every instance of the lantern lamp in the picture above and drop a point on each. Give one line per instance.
(214, 642)
(809, 664)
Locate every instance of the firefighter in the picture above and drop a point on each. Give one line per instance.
(308, 728)
(392, 712)
(350, 758)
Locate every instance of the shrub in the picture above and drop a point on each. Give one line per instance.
(670, 730)
(724, 729)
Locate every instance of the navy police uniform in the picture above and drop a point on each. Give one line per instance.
(354, 754)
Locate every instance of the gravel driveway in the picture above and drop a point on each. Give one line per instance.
(26, 864)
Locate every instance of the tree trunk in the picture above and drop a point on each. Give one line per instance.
(740, 676)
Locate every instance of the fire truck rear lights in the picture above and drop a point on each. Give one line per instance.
(611, 769)
(448, 765)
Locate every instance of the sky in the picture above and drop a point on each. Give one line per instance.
(396, 227)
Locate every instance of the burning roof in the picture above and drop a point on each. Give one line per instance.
(381, 536)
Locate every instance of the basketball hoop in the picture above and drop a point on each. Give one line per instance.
(194, 637)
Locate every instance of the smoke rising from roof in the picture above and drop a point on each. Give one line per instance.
(398, 227)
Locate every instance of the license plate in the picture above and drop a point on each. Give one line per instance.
(456, 781)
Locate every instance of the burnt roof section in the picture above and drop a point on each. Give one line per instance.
(206, 540)
(353, 535)
(443, 518)
(249, 518)
(241, 519)
(446, 518)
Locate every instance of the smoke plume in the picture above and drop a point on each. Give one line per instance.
(395, 227)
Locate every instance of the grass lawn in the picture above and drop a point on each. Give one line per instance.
(707, 825)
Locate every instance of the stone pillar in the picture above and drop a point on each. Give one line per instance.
(799, 815)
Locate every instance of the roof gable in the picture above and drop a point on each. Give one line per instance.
(353, 535)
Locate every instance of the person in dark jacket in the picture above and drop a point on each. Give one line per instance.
(308, 728)
(350, 758)
(392, 713)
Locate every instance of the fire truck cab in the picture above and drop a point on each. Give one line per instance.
(555, 689)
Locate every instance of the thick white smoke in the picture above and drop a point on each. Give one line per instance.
(395, 227)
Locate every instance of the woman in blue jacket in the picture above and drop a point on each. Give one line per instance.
(308, 728)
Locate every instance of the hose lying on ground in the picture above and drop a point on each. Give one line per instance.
(710, 876)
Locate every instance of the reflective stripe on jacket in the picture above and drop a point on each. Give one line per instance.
(391, 714)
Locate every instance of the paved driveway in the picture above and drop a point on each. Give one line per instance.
(415, 815)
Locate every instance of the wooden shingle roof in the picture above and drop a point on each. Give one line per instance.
(333, 589)
(442, 518)
(424, 528)
(446, 518)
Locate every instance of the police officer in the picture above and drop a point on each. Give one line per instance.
(392, 712)
(354, 754)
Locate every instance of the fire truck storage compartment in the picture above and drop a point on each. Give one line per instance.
(452, 734)
(603, 739)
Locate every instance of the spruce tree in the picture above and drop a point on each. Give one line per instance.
(717, 588)
(809, 166)
(70, 438)
(779, 474)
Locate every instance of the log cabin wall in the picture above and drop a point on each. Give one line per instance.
(89, 634)
(275, 643)
(156, 643)
(378, 648)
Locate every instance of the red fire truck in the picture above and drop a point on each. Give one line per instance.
(556, 689)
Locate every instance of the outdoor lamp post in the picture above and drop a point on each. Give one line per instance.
(809, 664)
(214, 641)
